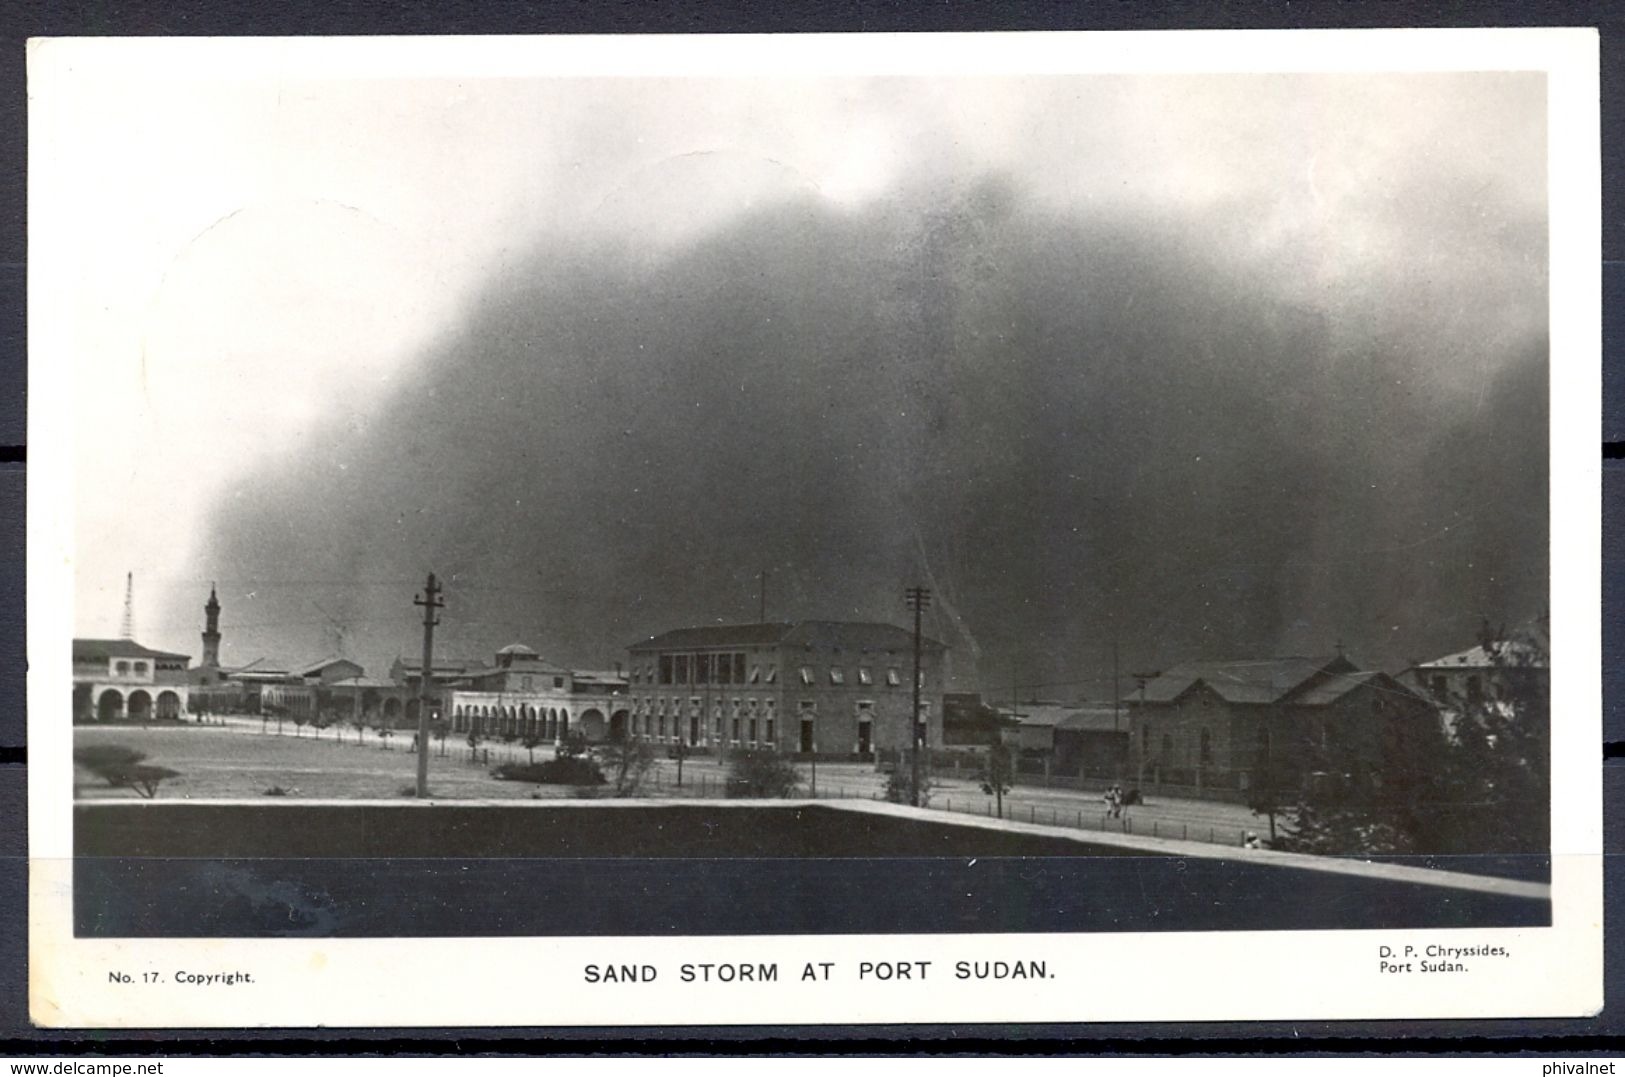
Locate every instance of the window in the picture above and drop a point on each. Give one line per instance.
(665, 669)
(736, 730)
(1206, 748)
(716, 728)
(141, 667)
(753, 731)
(1475, 688)
(124, 667)
(771, 739)
(725, 669)
(558, 682)
(755, 674)
(865, 675)
(702, 669)
(806, 675)
(837, 675)
(681, 662)
(893, 677)
(524, 683)
(662, 725)
(739, 667)
(772, 674)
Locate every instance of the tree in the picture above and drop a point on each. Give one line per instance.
(681, 752)
(299, 719)
(998, 773)
(533, 740)
(1271, 791)
(628, 762)
(360, 719)
(1497, 784)
(762, 775)
(145, 778)
(900, 785)
(121, 767)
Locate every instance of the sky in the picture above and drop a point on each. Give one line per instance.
(1192, 366)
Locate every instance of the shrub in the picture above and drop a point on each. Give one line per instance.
(571, 770)
(762, 774)
(900, 784)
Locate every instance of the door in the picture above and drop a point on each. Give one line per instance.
(806, 734)
(863, 736)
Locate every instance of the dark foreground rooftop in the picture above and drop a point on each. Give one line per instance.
(367, 869)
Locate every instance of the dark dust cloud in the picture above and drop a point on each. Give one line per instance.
(1077, 427)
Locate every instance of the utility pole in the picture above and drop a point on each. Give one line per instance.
(430, 601)
(1142, 679)
(1117, 691)
(919, 598)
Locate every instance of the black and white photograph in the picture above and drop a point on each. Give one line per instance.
(758, 529)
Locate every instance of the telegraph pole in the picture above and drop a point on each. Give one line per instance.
(1117, 692)
(919, 598)
(430, 601)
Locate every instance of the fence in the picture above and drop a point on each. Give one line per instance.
(1089, 818)
(703, 782)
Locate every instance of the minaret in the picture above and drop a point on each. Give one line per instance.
(127, 625)
(211, 631)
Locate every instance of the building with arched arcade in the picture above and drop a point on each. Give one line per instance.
(119, 680)
(523, 695)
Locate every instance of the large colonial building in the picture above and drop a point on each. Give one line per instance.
(521, 694)
(826, 687)
(120, 680)
(1209, 727)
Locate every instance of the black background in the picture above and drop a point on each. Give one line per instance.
(18, 21)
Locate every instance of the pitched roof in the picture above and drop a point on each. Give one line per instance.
(1036, 714)
(1508, 654)
(261, 667)
(715, 636)
(1336, 687)
(363, 682)
(857, 635)
(459, 666)
(323, 663)
(100, 650)
(1095, 718)
(518, 649)
(1259, 680)
(848, 635)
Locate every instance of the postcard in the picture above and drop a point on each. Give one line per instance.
(801, 530)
